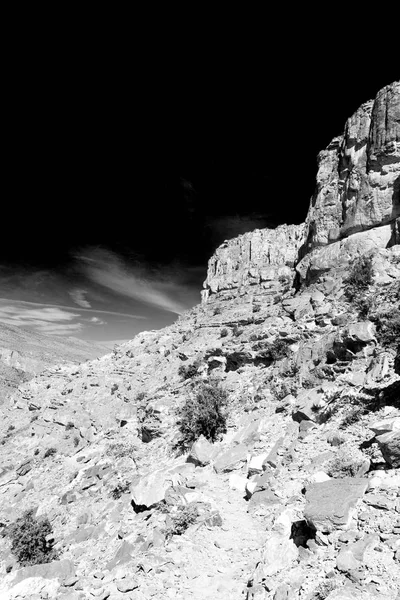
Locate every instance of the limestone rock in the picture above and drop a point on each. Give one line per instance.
(151, 488)
(258, 257)
(202, 452)
(389, 443)
(230, 459)
(386, 425)
(330, 503)
(357, 180)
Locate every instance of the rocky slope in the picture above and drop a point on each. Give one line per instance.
(24, 353)
(300, 498)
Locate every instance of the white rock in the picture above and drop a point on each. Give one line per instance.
(237, 482)
(255, 464)
(318, 477)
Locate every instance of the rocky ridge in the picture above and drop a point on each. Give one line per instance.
(25, 353)
(300, 498)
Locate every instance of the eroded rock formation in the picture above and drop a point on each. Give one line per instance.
(357, 192)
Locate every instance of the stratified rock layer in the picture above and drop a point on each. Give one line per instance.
(355, 209)
(260, 257)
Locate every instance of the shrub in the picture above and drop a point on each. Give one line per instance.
(388, 328)
(236, 331)
(121, 488)
(224, 332)
(120, 450)
(256, 308)
(179, 522)
(50, 452)
(30, 540)
(188, 371)
(76, 441)
(203, 414)
(217, 310)
(397, 361)
(271, 352)
(360, 278)
(324, 589)
(69, 426)
(344, 465)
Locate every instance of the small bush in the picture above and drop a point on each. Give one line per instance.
(28, 540)
(121, 488)
(120, 450)
(140, 397)
(360, 278)
(76, 441)
(224, 332)
(343, 465)
(217, 310)
(181, 521)
(69, 426)
(203, 414)
(236, 331)
(324, 589)
(388, 328)
(50, 452)
(256, 308)
(188, 371)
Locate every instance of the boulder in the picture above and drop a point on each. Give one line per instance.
(202, 452)
(389, 444)
(330, 504)
(58, 569)
(385, 425)
(231, 459)
(151, 489)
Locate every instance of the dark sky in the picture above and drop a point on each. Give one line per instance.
(153, 159)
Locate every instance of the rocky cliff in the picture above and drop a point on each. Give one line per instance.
(357, 190)
(298, 499)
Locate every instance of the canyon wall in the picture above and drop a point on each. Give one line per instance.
(355, 208)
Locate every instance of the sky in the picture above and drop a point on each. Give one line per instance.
(121, 177)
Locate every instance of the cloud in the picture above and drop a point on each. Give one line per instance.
(161, 289)
(97, 321)
(50, 320)
(78, 296)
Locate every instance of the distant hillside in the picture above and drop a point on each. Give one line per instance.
(24, 354)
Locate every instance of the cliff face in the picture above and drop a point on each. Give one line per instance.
(357, 190)
(358, 175)
(260, 257)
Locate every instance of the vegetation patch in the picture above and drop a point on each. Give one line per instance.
(388, 328)
(31, 540)
(121, 488)
(203, 413)
(181, 521)
(189, 371)
(344, 465)
(50, 452)
(359, 280)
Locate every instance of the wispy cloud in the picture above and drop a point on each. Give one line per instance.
(79, 297)
(50, 320)
(162, 289)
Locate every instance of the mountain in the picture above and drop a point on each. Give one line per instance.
(24, 354)
(290, 366)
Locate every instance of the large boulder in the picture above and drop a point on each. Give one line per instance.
(389, 444)
(330, 504)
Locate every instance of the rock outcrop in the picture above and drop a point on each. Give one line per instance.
(358, 176)
(357, 192)
(262, 257)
